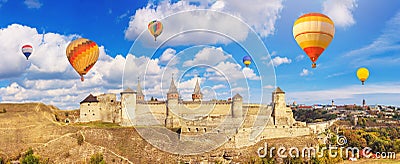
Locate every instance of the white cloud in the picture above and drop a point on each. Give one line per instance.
(340, 11)
(219, 86)
(48, 77)
(33, 4)
(375, 52)
(305, 72)
(300, 57)
(249, 74)
(254, 11)
(167, 55)
(280, 60)
(208, 56)
(251, 13)
(269, 87)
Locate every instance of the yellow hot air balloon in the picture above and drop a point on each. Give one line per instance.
(313, 32)
(362, 74)
(82, 54)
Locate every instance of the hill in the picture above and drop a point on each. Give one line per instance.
(43, 128)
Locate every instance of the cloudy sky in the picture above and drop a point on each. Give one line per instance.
(198, 46)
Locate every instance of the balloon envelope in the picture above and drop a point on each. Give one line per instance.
(82, 54)
(247, 60)
(155, 28)
(362, 74)
(313, 32)
(27, 50)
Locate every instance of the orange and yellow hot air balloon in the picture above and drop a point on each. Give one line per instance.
(362, 74)
(313, 32)
(82, 54)
(155, 28)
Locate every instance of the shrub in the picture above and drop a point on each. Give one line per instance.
(79, 139)
(97, 159)
(30, 158)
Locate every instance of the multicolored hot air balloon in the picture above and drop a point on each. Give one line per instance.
(82, 54)
(362, 74)
(155, 28)
(313, 32)
(247, 60)
(27, 50)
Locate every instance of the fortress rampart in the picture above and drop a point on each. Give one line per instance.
(200, 116)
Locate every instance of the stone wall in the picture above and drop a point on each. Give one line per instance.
(89, 112)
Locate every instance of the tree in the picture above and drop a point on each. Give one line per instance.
(97, 159)
(30, 158)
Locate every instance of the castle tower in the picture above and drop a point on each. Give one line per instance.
(237, 106)
(363, 103)
(282, 115)
(197, 95)
(128, 107)
(172, 121)
(139, 95)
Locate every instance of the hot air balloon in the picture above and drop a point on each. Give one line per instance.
(362, 74)
(155, 28)
(27, 50)
(247, 60)
(82, 54)
(313, 32)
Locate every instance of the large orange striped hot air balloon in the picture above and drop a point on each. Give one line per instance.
(313, 32)
(155, 28)
(82, 54)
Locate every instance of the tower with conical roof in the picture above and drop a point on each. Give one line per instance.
(171, 120)
(139, 94)
(173, 91)
(197, 95)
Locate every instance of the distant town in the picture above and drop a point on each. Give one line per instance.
(359, 115)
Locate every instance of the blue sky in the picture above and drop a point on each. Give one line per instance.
(366, 35)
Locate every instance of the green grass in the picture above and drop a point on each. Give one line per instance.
(99, 124)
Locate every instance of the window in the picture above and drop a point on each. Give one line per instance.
(197, 129)
(88, 104)
(93, 114)
(188, 129)
(85, 114)
(205, 130)
(112, 100)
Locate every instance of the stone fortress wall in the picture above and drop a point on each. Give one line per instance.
(257, 122)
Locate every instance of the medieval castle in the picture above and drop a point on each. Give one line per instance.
(200, 116)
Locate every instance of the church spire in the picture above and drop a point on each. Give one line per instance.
(173, 92)
(172, 87)
(197, 95)
(197, 87)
